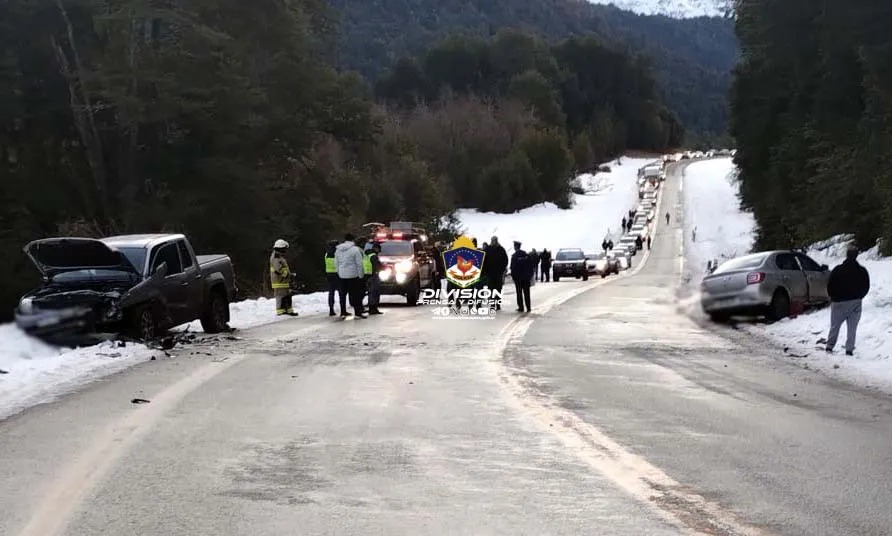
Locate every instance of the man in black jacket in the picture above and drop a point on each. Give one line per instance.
(495, 264)
(849, 283)
(522, 274)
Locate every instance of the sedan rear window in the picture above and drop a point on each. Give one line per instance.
(741, 263)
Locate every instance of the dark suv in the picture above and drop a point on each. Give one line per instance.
(569, 263)
(407, 265)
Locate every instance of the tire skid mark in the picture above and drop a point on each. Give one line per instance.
(677, 504)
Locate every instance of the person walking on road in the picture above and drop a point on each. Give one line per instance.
(625, 223)
(545, 266)
(648, 241)
(280, 279)
(495, 264)
(667, 218)
(374, 281)
(522, 274)
(348, 262)
(604, 245)
(849, 283)
(334, 282)
(534, 260)
(609, 245)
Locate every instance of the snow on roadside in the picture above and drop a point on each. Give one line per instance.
(594, 214)
(35, 373)
(712, 209)
(711, 206)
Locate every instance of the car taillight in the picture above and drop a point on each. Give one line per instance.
(755, 277)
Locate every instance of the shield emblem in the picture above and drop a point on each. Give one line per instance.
(464, 263)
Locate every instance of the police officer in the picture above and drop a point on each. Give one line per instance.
(334, 282)
(280, 278)
(374, 282)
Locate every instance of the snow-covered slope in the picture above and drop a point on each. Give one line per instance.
(673, 8)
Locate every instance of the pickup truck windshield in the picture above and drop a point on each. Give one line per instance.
(569, 256)
(136, 256)
(397, 248)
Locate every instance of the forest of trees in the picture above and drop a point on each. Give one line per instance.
(226, 121)
(812, 115)
(691, 59)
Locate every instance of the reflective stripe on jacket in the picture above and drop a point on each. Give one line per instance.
(330, 267)
(279, 274)
(367, 264)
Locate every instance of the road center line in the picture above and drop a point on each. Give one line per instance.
(645, 482)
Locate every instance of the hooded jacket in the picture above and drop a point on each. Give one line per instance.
(848, 281)
(348, 260)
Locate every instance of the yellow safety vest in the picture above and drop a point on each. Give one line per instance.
(330, 265)
(367, 264)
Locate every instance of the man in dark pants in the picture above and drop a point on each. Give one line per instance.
(348, 262)
(522, 274)
(648, 241)
(375, 281)
(849, 283)
(495, 264)
(334, 282)
(545, 266)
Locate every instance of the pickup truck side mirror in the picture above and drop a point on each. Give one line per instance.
(160, 271)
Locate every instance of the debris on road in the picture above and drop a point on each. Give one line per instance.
(139, 401)
(4, 371)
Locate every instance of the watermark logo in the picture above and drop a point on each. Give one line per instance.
(458, 303)
(464, 263)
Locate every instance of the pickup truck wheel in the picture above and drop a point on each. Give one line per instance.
(216, 317)
(603, 275)
(143, 324)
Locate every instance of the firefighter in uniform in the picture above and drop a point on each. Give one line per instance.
(280, 279)
(334, 282)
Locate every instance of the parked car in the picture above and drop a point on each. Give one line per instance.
(622, 257)
(628, 242)
(765, 283)
(139, 285)
(601, 264)
(569, 263)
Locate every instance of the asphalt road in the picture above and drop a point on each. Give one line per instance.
(604, 412)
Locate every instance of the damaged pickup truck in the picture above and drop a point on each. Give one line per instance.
(136, 285)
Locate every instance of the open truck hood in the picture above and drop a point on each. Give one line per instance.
(57, 255)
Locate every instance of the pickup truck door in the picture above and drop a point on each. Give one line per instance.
(173, 286)
(792, 277)
(193, 282)
(817, 278)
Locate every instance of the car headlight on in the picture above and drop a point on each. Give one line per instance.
(26, 306)
(404, 266)
(385, 274)
(401, 277)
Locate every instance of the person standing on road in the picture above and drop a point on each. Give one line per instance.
(374, 281)
(534, 261)
(609, 245)
(604, 245)
(545, 266)
(280, 279)
(667, 218)
(625, 223)
(849, 283)
(348, 262)
(522, 274)
(334, 282)
(495, 264)
(639, 243)
(648, 241)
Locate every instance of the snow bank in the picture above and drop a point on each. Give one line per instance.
(34, 373)
(715, 227)
(595, 214)
(711, 206)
